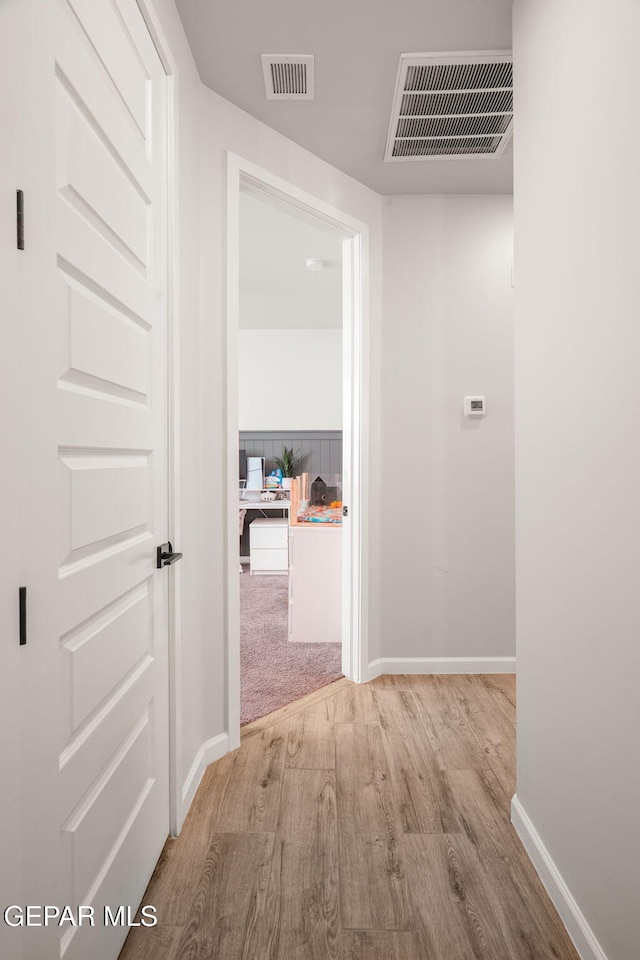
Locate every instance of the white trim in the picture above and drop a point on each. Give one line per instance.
(355, 419)
(231, 593)
(246, 176)
(441, 665)
(583, 937)
(209, 752)
(177, 811)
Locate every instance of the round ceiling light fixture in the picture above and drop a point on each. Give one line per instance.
(315, 265)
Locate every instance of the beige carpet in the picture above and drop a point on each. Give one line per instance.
(273, 671)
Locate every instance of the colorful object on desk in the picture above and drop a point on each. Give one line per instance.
(321, 519)
(274, 480)
(308, 513)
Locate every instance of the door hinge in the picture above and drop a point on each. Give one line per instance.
(22, 607)
(20, 218)
(345, 511)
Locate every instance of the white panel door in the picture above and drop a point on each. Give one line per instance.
(95, 669)
(111, 147)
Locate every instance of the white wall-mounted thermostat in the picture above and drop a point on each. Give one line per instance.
(475, 407)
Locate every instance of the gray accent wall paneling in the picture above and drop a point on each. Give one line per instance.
(321, 449)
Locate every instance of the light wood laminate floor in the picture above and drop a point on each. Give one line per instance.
(366, 822)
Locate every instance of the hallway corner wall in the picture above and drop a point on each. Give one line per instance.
(577, 348)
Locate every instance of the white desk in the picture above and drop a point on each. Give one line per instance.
(264, 505)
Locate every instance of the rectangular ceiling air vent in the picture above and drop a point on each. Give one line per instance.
(451, 105)
(287, 76)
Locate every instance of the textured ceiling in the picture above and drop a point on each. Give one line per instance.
(357, 45)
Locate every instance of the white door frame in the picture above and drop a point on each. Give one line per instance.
(177, 806)
(244, 176)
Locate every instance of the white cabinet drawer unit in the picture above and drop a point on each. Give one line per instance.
(269, 546)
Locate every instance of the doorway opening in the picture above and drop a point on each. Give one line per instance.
(296, 385)
(290, 457)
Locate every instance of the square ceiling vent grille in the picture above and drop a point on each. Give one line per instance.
(451, 105)
(287, 76)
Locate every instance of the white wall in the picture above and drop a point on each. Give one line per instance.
(290, 380)
(577, 217)
(448, 533)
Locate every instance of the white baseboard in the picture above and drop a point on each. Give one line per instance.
(578, 929)
(441, 665)
(210, 751)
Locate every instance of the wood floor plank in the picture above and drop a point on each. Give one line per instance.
(501, 690)
(455, 744)
(404, 851)
(378, 945)
(323, 709)
(310, 743)
(305, 871)
(229, 915)
(396, 708)
(373, 885)
(252, 796)
(490, 706)
(492, 731)
(392, 681)
(454, 909)
(506, 683)
(178, 871)
(421, 793)
(354, 704)
(529, 920)
(151, 943)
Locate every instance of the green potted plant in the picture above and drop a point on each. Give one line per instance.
(288, 463)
